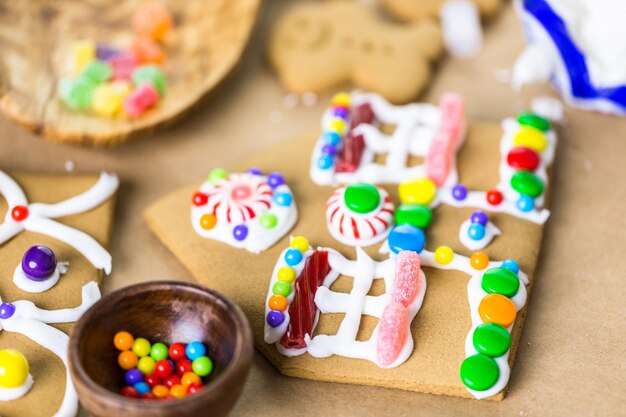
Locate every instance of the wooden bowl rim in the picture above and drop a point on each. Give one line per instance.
(242, 355)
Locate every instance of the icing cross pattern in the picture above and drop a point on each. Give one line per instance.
(38, 217)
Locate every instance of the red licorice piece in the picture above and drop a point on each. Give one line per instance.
(523, 158)
(349, 155)
(303, 310)
(494, 197)
(362, 114)
(19, 213)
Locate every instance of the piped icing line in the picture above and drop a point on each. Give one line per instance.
(32, 322)
(37, 217)
(553, 54)
(244, 210)
(359, 214)
(345, 152)
(389, 345)
(25, 284)
(10, 394)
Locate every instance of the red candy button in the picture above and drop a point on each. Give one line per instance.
(523, 158)
(200, 199)
(494, 197)
(19, 213)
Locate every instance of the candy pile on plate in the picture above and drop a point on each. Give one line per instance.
(160, 372)
(113, 81)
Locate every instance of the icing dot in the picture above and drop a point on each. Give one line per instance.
(194, 350)
(14, 368)
(420, 191)
(255, 171)
(127, 360)
(240, 232)
(459, 192)
(491, 339)
(217, 175)
(300, 243)
(281, 288)
(275, 179)
(500, 280)
(6, 310)
(337, 125)
(293, 257)
(341, 99)
(533, 120)
(406, 237)
(444, 255)
(200, 199)
(529, 137)
(277, 302)
(527, 183)
(328, 149)
(496, 308)
(202, 366)
(283, 199)
(268, 220)
(325, 162)
(275, 318)
(479, 260)
(479, 372)
(476, 231)
(146, 365)
(39, 263)
(141, 347)
(511, 265)
(19, 213)
(416, 215)
(132, 376)
(479, 217)
(494, 197)
(361, 197)
(208, 221)
(286, 274)
(332, 138)
(123, 340)
(525, 203)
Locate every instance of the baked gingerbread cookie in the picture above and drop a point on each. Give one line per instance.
(53, 256)
(410, 307)
(318, 46)
(412, 10)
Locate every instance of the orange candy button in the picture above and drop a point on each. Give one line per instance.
(496, 308)
(479, 260)
(208, 221)
(277, 302)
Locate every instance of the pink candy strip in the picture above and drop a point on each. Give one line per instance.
(393, 325)
(407, 278)
(443, 147)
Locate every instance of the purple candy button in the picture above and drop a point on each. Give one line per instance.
(6, 310)
(39, 263)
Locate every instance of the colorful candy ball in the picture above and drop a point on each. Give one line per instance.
(39, 263)
(195, 350)
(14, 368)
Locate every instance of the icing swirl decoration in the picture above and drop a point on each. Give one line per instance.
(359, 214)
(245, 210)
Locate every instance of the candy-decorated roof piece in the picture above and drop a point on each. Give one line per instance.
(578, 45)
(47, 370)
(444, 321)
(245, 210)
(351, 139)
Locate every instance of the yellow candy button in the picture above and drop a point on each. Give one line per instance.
(532, 138)
(13, 368)
(341, 99)
(286, 274)
(444, 255)
(300, 243)
(417, 191)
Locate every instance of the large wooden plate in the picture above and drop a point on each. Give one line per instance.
(35, 42)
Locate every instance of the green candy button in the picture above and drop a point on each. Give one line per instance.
(361, 198)
(500, 280)
(479, 372)
(526, 182)
(281, 288)
(533, 120)
(491, 339)
(416, 215)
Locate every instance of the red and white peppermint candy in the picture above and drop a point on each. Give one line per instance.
(238, 198)
(359, 229)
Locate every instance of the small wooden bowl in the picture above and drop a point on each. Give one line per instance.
(166, 311)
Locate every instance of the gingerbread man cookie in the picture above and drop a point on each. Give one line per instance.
(411, 10)
(319, 46)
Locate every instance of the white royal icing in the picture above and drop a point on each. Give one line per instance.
(26, 284)
(40, 217)
(10, 394)
(491, 231)
(231, 212)
(32, 322)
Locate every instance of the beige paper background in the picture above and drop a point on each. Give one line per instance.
(571, 352)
